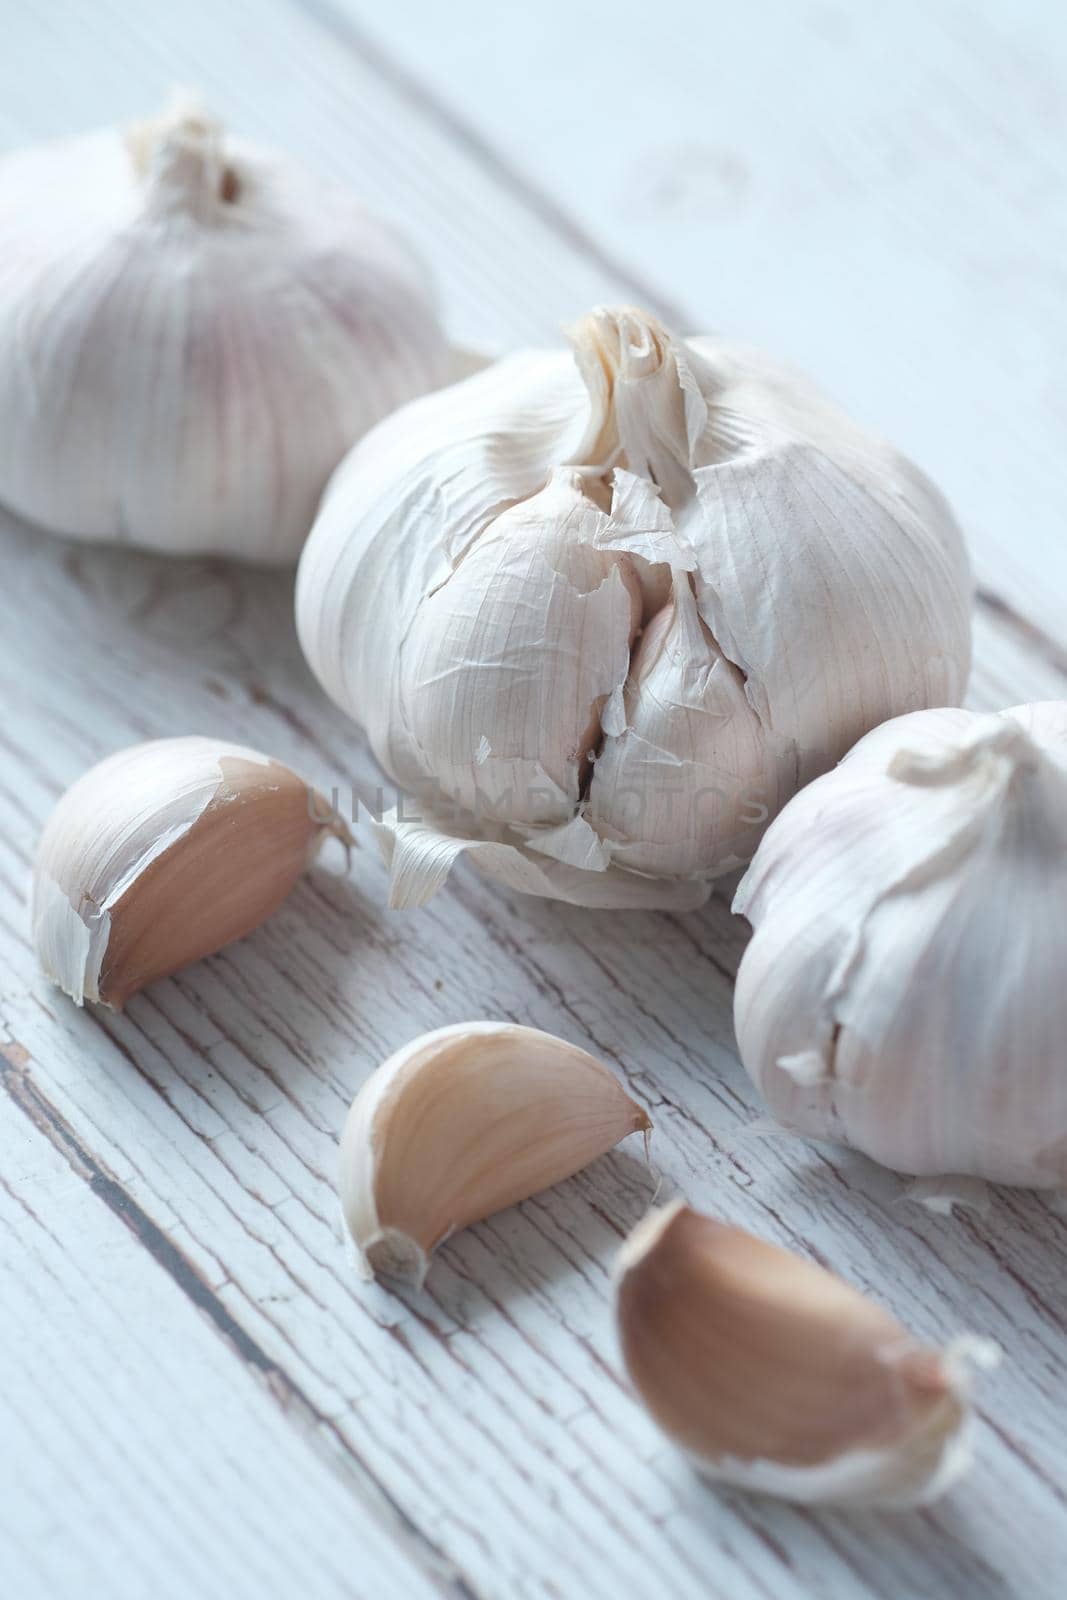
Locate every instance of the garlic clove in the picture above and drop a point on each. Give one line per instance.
(496, 450)
(690, 778)
(763, 597)
(512, 740)
(165, 853)
(462, 1122)
(773, 1374)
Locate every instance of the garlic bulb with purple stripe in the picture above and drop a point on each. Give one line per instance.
(193, 331)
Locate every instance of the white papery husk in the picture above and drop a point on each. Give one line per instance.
(182, 370)
(470, 591)
(904, 991)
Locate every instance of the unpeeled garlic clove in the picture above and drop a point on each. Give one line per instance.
(462, 1122)
(512, 741)
(773, 1374)
(164, 853)
(690, 777)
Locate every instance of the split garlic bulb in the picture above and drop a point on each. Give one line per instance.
(774, 1375)
(164, 853)
(462, 1122)
(602, 617)
(192, 333)
(904, 991)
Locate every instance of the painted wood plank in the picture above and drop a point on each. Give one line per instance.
(136, 1456)
(491, 1409)
(873, 191)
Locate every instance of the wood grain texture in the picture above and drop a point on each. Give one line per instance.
(138, 1456)
(477, 1438)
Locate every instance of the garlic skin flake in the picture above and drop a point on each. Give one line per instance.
(193, 331)
(601, 614)
(774, 1375)
(904, 991)
(165, 853)
(462, 1122)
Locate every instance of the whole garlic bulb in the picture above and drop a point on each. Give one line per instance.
(904, 991)
(602, 617)
(164, 853)
(192, 333)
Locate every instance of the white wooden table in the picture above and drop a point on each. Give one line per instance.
(197, 1398)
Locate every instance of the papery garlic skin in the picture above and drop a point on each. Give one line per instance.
(164, 853)
(774, 1375)
(462, 1122)
(602, 615)
(904, 990)
(193, 331)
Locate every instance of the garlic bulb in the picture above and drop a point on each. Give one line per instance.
(162, 854)
(602, 618)
(192, 333)
(904, 992)
(463, 1122)
(773, 1374)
